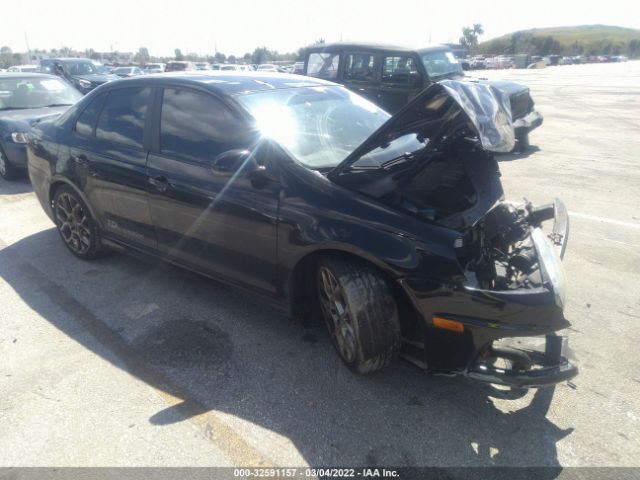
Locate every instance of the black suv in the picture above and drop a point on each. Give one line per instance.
(391, 76)
(82, 73)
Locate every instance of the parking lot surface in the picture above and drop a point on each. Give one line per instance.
(122, 361)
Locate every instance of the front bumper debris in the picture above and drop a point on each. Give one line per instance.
(530, 121)
(544, 368)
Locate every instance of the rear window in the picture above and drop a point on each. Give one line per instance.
(323, 65)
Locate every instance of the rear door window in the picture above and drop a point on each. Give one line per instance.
(195, 126)
(323, 65)
(123, 117)
(359, 67)
(396, 69)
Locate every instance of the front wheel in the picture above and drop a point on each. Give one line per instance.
(77, 228)
(7, 171)
(360, 313)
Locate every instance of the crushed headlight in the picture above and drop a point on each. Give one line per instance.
(19, 137)
(550, 265)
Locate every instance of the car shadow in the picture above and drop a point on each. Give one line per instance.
(217, 349)
(19, 185)
(508, 157)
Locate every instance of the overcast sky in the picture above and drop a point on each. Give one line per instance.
(238, 26)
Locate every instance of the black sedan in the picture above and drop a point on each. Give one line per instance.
(26, 98)
(392, 229)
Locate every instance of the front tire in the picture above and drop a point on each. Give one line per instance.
(76, 226)
(7, 171)
(360, 313)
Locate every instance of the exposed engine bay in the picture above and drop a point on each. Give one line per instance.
(498, 253)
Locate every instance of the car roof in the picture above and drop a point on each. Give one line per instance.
(68, 59)
(376, 47)
(26, 75)
(229, 82)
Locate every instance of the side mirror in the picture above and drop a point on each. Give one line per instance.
(229, 162)
(415, 79)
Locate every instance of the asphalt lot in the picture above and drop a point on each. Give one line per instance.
(122, 362)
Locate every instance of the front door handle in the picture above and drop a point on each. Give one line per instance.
(159, 183)
(81, 160)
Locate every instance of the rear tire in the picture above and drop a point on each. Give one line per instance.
(360, 313)
(76, 226)
(7, 171)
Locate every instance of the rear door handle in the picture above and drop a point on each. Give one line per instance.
(159, 183)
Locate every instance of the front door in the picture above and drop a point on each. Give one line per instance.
(400, 81)
(216, 220)
(360, 73)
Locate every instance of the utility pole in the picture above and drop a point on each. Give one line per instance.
(26, 40)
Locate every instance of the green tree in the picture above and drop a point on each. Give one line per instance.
(247, 57)
(142, 57)
(302, 51)
(178, 54)
(6, 56)
(470, 35)
(219, 57)
(231, 59)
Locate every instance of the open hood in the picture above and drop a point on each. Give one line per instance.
(438, 112)
(432, 158)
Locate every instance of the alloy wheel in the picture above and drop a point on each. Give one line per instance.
(73, 223)
(337, 314)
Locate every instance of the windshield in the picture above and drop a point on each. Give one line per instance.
(320, 126)
(123, 70)
(81, 68)
(19, 93)
(441, 64)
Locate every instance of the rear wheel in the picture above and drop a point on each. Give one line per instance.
(76, 226)
(7, 171)
(360, 313)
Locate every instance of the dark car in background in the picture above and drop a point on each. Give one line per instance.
(298, 190)
(82, 73)
(391, 76)
(179, 66)
(26, 98)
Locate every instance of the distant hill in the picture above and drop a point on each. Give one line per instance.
(578, 40)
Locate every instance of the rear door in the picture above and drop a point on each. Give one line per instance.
(217, 221)
(361, 73)
(109, 151)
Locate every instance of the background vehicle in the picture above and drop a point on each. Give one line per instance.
(154, 67)
(179, 66)
(125, 72)
(298, 68)
(391, 76)
(231, 67)
(203, 66)
(23, 68)
(26, 98)
(267, 67)
(82, 73)
(389, 226)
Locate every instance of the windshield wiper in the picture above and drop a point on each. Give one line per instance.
(58, 105)
(15, 108)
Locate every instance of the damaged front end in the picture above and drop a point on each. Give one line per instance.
(433, 160)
